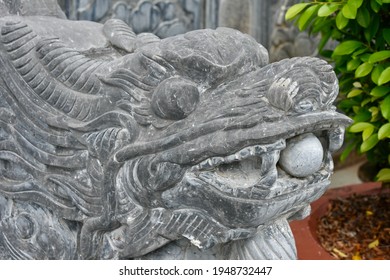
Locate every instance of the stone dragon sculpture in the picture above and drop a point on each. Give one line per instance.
(118, 146)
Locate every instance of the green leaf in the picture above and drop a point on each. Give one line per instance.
(372, 29)
(379, 56)
(386, 35)
(375, 74)
(365, 57)
(354, 92)
(374, 113)
(385, 108)
(363, 17)
(373, 99)
(383, 175)
(385, 1)
(367, 132)
(324, 39)
(363, 70)
(359, 53)
(356, 109)
(375, 6)
(347, 104)
(349, 11)
(353, 64)
(379, 91)
(359, 127)
(366, 101)
(369, 143)
(327, 9)
(293, 11)
(341, 21)
(345, 83)
(362, 116)
(323, 26)
(384, 131)
(307, 16)
(384, 77)
(383, 171)
(347, 47)
(356, 3)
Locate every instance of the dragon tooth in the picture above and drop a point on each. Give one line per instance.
(207, 164)
(203, 165)
(244, 153)
(195, 168)
(259, 149)
(252, 151)
(230, 158)
(217, 160)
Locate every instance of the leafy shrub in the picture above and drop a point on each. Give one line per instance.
(362, 61)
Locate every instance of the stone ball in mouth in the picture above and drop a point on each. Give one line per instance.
(302, 156)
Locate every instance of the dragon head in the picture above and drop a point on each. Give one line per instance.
(194, 137)
(232, 143)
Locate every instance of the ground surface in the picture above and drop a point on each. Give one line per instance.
(357, 227)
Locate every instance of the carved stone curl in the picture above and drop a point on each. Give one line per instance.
(115, 145)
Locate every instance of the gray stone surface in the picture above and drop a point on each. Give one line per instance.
(30, 8)
(286, 40)
(235, 14)
(116, 146)
(262, 19)
(161, 17)
(171, 17)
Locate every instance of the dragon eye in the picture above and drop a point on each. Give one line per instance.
(303, 155)
(175, 99)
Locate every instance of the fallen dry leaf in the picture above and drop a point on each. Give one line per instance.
(373, 244)
(338, 252)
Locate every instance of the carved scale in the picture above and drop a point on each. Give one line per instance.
(115, 145)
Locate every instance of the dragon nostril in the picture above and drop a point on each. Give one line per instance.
(303, 155)
(175, 99)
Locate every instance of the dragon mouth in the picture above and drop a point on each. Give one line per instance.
(257, 183)
(258, 172)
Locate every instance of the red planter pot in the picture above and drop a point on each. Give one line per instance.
(307, 243)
